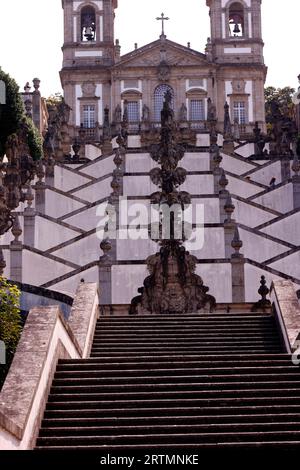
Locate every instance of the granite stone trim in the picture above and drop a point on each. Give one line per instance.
(90, 183)
(41, 292)
(287, 310)
(241, 178)
(82, 209)
(79, 270)
(268, 237)
(18, 405)
(84, 315)
(75, 171)
(269, 190)
(277, 219)
(59, 222)
(261, 167)
(70, 242)
(268, 269)
(238, 157)
(57, 259)
(282, 255)
(70, 196)
(257, 205)
(96, 160)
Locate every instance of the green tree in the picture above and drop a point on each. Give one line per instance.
(283, 97)
(12, 116)
(10, 322)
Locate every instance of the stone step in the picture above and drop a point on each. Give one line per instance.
(178, 448)
(173, 387)
(82, 422)
(167, 429)
(262, 360)
(177, 368)
(187, 349)
(160, 395)
(92, 378)
(149, 439)
(168, 412)
(94, 402)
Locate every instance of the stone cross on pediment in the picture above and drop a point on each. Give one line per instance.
(162, 18)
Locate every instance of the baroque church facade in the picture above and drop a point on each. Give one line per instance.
(96, 76)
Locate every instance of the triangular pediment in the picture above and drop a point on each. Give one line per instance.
(151, 55)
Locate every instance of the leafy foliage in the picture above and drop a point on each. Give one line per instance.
(54, 100)
(10, 322)
(12, 112)
(282, 96)
(12, 115)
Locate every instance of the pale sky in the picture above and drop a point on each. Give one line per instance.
(31, 35)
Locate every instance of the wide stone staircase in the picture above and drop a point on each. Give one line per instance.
(157, 382)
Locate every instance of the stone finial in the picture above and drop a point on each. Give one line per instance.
(227, 122)
(106, 247)
(118, 160)
(223, 182)
(16, 229)
(2, 262)
(29, 197)
(40, 172)
(263, 291)
(36, 83)
(236, 244)
(229, 208)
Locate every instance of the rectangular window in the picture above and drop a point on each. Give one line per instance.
(239, 112)
(89, 116)
(133, 111)
(197, 110)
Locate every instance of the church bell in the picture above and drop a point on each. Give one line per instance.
(236, 29)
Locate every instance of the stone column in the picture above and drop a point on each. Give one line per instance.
(16, 252)
(223, 195)
(237, 270)
(29, 220)
(40, 189)
(105, 273)
(229, 226)
(296, 182)
(49, 172)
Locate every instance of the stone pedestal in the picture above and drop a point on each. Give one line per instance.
(228, 146)
(29, 226)
(238, 278)
(105, 282)
(296, 191)
(40, 197)
(229, 228)
(16, 261)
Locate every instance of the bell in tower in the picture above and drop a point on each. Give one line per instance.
(88, 24)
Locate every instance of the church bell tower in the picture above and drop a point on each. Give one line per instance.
(88, 55)
(237, 48)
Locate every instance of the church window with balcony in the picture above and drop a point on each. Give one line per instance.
(133, 109)
(197, 112)
(240, 112)
(89, 116)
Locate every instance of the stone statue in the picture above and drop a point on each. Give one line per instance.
(146, 113)
(183, 113)
(118, 113)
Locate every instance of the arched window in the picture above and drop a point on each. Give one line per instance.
(159, 98)
(88, 24)
(236, 20)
